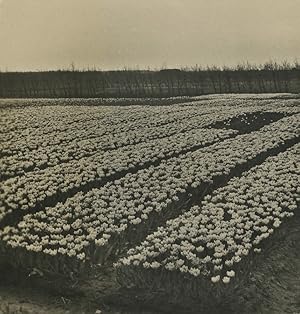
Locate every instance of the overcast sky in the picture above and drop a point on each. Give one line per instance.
(110, 34)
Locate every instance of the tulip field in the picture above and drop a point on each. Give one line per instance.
(180, 196)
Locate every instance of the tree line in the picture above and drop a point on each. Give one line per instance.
(270, 77)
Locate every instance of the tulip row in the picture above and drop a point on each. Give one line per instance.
(211, 239)
(92, 225)
(34, 188)
(46, 119)
(29, 124)
(37, 151)
(49, 149)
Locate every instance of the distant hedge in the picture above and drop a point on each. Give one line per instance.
(136, 83)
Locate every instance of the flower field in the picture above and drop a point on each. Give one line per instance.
(211, 238)
(179, 196)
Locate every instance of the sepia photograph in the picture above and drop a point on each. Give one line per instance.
(149, 157)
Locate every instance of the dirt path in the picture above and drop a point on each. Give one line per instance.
(277, 279)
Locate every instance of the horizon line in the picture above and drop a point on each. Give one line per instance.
(245, 65)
